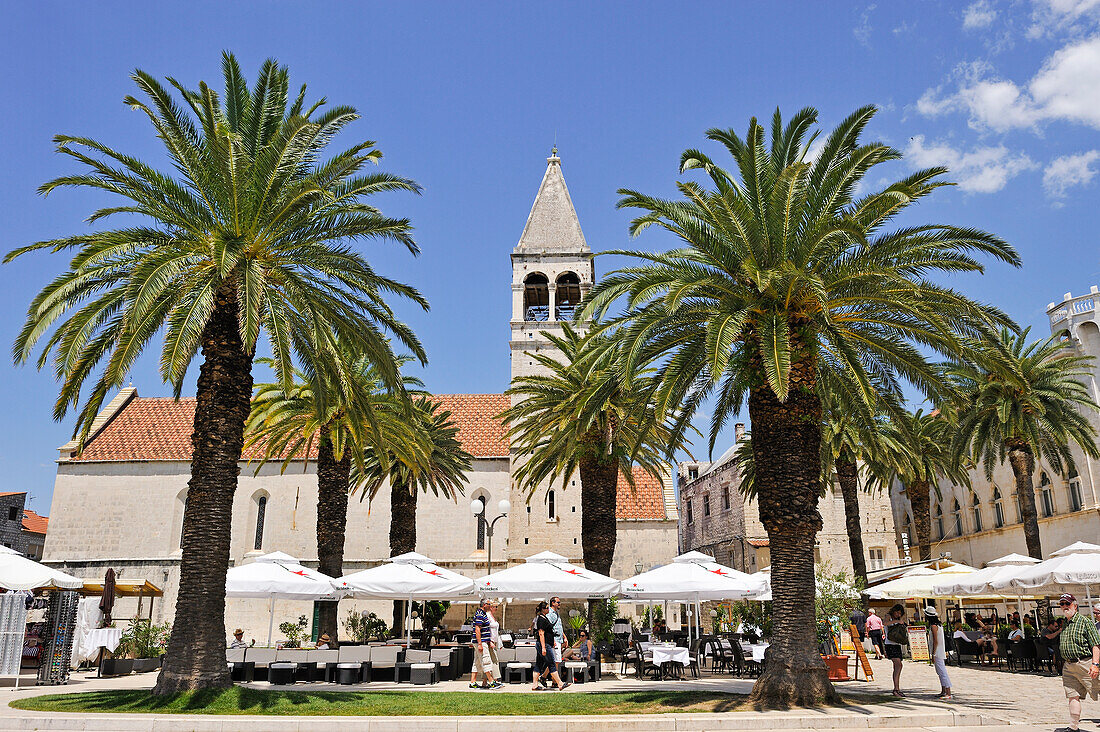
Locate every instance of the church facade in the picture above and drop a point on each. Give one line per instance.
(119, 502)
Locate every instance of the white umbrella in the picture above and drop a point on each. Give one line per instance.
(409, 577)
(763, 582)
(545, 575)
(694, 577)
(917, 583)
(280, 576)
(980, 583)
(19, 573)
(1075, 565)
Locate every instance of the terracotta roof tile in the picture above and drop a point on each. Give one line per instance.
(153, 428)
(757, 542)
(12, 493)
(647, 500)
(34, 523)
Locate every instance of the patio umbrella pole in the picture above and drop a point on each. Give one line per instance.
(408, 622)
(270, 621)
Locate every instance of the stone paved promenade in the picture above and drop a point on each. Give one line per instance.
(985, 697)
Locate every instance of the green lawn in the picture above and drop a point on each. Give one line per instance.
(386, 703)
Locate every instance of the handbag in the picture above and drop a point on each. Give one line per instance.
(898, 633)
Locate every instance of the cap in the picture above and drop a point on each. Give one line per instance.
(1096, 608)
(1067, 597)
(931, 611)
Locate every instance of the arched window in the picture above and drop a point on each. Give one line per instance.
(482, 524)
(261, 511)
(998, 508)
(1075, 502)
(551, 507)
(182, 498)
(976, 511)
(536, 298)
(1046, 495)
(567, 296)
(957, 517)
(939, 521)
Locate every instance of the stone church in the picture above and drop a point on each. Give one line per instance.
(119, 503)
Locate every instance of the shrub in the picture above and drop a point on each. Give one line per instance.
(144, 639)
(294, 632)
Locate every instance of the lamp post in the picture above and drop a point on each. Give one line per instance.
(477, 508)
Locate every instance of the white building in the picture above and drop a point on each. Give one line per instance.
(120, 502)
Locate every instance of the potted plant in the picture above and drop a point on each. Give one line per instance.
(834, 601)
(143, 643)
(294, 632)
(363, 627)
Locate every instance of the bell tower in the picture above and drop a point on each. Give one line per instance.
(552, 269)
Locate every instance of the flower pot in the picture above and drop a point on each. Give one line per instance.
(837, 666)
(143, 665)
(117, 666)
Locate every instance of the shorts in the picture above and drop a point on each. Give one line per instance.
(893, 650)
(555, 654)
(486, 661)
(1076, 680)
(876, 637)
(543, 661)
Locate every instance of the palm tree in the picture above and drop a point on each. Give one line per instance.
(581, 417)
(442, 470)
(784, 270)
(1024, 402)
(242, 240)
(918, 454)
(357, 414)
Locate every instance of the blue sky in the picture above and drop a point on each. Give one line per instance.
(467, 98)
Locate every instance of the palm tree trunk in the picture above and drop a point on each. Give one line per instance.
(786, 451)
(332, 517)
(402, 537)
(1023, 468)
(848, 475)
(196, 650)
(599, 485)
(922, 517)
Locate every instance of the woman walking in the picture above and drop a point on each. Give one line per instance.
(939, 650)
(544, 638)
(895, 634)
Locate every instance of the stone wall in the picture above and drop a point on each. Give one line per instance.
(11, 522)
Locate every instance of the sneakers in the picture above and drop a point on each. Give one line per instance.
(496, 685)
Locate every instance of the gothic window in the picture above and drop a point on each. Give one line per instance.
(1046, 495)
(567, 296)
(939, 522)
(726, 498)
(998, 508)
(706, 504)
(482, 524)
(956, 515)
(976, 511)
(536, 298)
(261, 511)
(551, 508)
(690, 513)
(1075, 502)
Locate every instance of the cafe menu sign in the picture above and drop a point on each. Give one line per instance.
(918, 643)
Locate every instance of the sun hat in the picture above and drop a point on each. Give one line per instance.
(931, 611)
(238, 631)
(324, 638)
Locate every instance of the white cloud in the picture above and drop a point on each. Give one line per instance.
(979, 15)
(1068, 171)
(1067, 88)
(1050, 17)
(862, 32)
(981, 170)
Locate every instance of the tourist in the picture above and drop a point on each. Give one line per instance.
(1080, 646)
(1015, 633)
(544, 657)
(324, 643)
(858, 619)
(238, 639)
(554, 616)
(938, 650)
(895, 634)
(1096, 615)
(582, 650)
(874, 632)
(485, 656)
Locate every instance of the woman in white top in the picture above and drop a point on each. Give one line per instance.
(939, 650)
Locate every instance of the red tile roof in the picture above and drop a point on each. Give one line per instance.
(153, 428)
(647, 500)
(757, 542)
(12, 493)
(34, 523)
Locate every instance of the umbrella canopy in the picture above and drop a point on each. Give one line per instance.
(544, 575)
(1075, 565)
(280, 576)
(691, 576)
(763, 583)
(918, 582)
(19, 573)
(409, 576)
(980, 583)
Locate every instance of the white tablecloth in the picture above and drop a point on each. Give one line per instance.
(757, 651)
(100, 638)
(664, 654)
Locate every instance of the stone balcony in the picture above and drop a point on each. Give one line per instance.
(1062, 314)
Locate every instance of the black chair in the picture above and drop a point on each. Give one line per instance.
(1044, 657)
(719, 660)
(968, 648)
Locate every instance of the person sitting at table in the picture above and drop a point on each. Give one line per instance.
(238, 639)
(324, 643)
(1015, 633)
(660, 627)
(584, 649)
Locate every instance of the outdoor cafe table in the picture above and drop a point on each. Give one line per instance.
(664, 656)
(756, 650)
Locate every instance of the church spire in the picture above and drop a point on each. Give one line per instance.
(552, 225)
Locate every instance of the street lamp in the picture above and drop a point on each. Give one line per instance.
(477, 508)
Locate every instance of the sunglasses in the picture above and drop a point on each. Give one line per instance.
(1064, 604)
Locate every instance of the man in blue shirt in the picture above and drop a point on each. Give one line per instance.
(554, 617)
